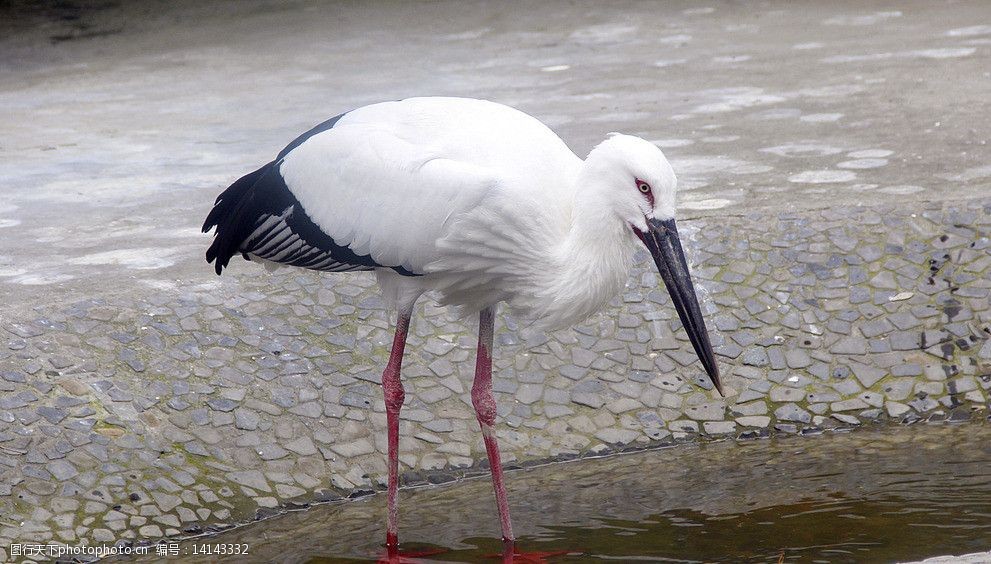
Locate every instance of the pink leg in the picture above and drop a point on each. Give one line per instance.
(392, 386)
(485, 409)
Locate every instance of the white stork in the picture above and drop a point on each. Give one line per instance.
(472, 199)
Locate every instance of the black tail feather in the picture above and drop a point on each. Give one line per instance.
(234, 205)
(224, 214)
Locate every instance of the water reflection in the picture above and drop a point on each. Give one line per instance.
(873, 495)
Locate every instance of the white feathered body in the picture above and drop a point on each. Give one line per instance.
(482, 200)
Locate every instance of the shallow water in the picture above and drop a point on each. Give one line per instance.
(881, 495)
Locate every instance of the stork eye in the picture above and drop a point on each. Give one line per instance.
(643, 187)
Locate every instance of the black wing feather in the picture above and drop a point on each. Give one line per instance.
(259, 215)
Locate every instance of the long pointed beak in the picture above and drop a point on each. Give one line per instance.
(662, 240)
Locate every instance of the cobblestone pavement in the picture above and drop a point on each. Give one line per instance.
(126, 420)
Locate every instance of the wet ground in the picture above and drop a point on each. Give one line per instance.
(873, 495)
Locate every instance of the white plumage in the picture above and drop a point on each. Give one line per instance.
(474, 200)
(518, 218)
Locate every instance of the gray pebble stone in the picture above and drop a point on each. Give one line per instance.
(53, 415)
(719, 427)
(904, 341)
(529, 393)
(589, 399)
(250, 478)
(439, 425)
(616, 436)
(271, 451)
(898, 389)
(876, 327)
(310, 409)
(902, 370)
(785, 394)
(246, 419)
(850, 345)
(583, 357)
(750, 408)
(354, 448)
(846, 418)
(868, 375)
(750, 395)
(961, 385)
(797, 358)
(985, 352)
(848, 405)
(754, 421)
(756, 357)
(896, 409)
(572, 372)
(713, 411)
(923, 405)
(165, 502)
(554, 411)
(302, 446)
(11, 376)
(872, 399)
(684, 426)
(791, 412)
(283, 397)
(354, 399)
(222, 404)
(150, 531)
(62, 470)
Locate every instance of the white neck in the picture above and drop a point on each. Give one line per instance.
(558, 261)
(592, 263)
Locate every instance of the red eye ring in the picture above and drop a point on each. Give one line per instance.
(645, 189)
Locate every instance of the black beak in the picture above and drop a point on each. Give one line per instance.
(664, 245)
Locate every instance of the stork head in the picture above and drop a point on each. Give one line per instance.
(636, 179)
(637, 183)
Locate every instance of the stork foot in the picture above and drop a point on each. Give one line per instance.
(511, 554)
(395, 556)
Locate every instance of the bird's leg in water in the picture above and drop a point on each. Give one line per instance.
(392, 387)
(485, 409)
